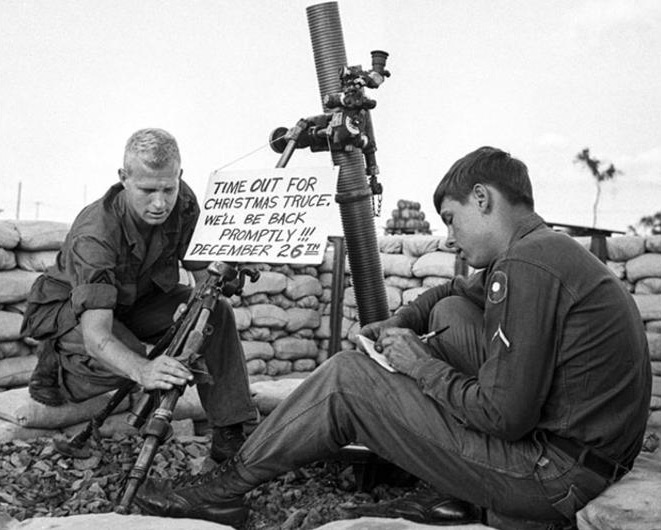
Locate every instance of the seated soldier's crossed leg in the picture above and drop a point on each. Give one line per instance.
(351, 399)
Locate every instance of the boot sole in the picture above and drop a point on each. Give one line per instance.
(234, 516)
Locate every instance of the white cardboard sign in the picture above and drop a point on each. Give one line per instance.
(274, 215)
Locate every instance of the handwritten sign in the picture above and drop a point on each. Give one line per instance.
(275, 215)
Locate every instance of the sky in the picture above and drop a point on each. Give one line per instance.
(541, 80)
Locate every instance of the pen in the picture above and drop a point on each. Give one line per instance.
(426, 336)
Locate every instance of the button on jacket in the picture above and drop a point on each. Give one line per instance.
(564, 344)
(104, 263)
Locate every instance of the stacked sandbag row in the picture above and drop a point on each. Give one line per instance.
(27, 248)
(280, 318)
(637, 262)
(411, 265)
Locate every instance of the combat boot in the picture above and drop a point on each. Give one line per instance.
(226, 442)
(44, 382)
(215, 496)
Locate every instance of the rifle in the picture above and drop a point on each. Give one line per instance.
(183, 341)
(191, 329)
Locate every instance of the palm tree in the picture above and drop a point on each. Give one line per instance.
(593, 165)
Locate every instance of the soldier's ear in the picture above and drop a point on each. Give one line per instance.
(483, 197)
(122, 176)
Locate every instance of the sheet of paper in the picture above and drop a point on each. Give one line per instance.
(367, 346)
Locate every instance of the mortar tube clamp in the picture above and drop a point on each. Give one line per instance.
(352, 196)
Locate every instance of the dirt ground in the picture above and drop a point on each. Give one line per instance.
(37, 481)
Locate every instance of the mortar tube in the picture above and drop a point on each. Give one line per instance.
(353, 193)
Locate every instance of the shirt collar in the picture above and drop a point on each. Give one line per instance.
(528, 224)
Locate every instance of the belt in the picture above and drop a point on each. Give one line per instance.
(589, 458)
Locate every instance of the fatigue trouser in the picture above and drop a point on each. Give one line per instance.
(350, 398)
(226, 401)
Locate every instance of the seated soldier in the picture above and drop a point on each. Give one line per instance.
(530, 404)
(115, 286)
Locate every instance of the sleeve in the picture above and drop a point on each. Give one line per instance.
(90, 265)
(415, 315)
(521, 324)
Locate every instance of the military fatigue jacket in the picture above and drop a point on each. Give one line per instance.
(105, 263)
(564, 347)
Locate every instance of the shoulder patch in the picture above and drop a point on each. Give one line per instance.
(497, 291)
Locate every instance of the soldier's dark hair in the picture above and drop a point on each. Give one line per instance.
(486, 165)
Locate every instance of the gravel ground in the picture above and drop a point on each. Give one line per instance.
(37, 481)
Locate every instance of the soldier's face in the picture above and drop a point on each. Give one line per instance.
(151, 193)
(468, 231)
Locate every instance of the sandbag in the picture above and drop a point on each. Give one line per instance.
(648, 286)
(16, 371)
(303, 285)
(256, 333)
(644, 266)
(649, 306)
(9, 236)
(308, 302)
(299, 318)
(411, 294)
(397, 265)
(18, 407)
(268, 394)
(114, 424)
(403, 283)
(7, 259)
(276, 367)
(15, 285)
(391, 244)
(434, 281)
(624, 248)
(242, 317)
(394, 297)
(268, 315)
(654, 343)
(435, 264)
(257, 349)
(618, 268)
(281, 301)
(269, 282)
(10, 325)
(256, 366)
(653, 243)
(37, 261)
(112, 521)
(419, 245)
(10, 431)
(304, 365)
(41, 235)
(304, 333)
(289, 348)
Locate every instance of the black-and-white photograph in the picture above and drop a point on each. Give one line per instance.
(339, 265)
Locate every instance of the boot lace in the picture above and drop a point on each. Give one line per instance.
(204, 478)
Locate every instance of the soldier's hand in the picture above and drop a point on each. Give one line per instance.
(374, 329)
(163, 373)
(403, 349)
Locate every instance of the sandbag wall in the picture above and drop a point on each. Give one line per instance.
(26, 249)
(284, 318)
